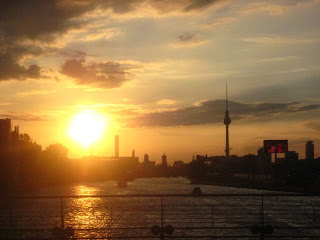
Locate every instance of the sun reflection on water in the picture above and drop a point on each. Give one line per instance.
(88, 212)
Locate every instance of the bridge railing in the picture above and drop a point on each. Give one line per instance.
(162, 216)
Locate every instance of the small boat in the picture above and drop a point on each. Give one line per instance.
(122, 183)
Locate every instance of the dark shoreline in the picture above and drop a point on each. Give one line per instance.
(256, 185)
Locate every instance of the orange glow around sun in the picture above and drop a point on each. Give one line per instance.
(87, 127)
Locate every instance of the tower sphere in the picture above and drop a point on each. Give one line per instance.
(227, 120)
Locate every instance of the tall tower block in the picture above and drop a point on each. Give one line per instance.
(309, 150)
(227, 122)
(116, 146)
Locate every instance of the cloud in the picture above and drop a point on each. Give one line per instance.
(272, 9)
(73, 53)
(101, 34)
(278, 40)
(24, 23)
(278, 59)
(277, 7)
(103, 74)
(218, 22)
(37, 24)
(199, 4)
(188, 40)
(166, 102)
(40, 20)
(212, 111)
(10, 66)
(163, 7)
(35, 92)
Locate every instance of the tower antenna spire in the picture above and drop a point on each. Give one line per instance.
(227, 122)
(227, 107)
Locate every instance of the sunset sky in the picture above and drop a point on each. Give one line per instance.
(155, 72)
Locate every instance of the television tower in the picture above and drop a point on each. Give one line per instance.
(227, 122)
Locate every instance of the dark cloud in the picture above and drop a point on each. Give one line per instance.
(39, 20)
(10, 67)
(309, 107)
(73, 53)
(199, 4)
(212, 111)
(186, 37)
(26, 23)
(188, 40)
(105, 75)
(43, 20)
(163, 6)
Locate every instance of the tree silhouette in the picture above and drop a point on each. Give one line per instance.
(56, 151)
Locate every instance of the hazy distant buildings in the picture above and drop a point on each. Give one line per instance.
(164, 162)
(146, 161)
(146, 158)
(178, 164)
(309, 150)
(129, 162)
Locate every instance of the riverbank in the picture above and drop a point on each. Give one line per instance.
(257, 185)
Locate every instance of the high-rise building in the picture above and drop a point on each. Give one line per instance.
(5, 150)
(5, 135)
(263, 161)
(227, 122)
(164, 162)
(309, 150)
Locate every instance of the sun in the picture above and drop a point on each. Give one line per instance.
(87, 127)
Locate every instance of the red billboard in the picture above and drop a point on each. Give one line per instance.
(275, 146)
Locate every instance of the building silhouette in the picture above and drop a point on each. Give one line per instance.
(292, 156)
(146, 158)
(146, 161)
(5, 145)
(164, 162)
(116, 146)
(227, 122)
(178, 164)
(309, 150)
(9, 151)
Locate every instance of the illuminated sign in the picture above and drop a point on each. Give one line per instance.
(275, 146)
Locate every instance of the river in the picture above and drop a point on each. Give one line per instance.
(190, 216)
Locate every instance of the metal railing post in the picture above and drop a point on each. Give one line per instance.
(61, 213)
(162, 220)
(212, 216)
(11, 216)
(262, 218)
